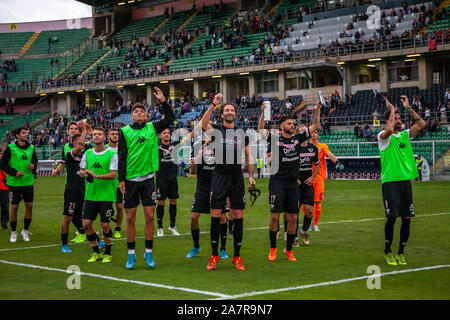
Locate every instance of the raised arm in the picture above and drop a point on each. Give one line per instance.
(166, 109)
(419, 125)
(261, 127)
(207, 115)
(81, 144)
(390, 123)
(316, 121)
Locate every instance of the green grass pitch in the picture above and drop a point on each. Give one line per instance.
(351, 239)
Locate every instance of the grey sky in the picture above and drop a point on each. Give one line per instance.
(42, 10)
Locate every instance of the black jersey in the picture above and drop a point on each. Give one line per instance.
(168, 168)
(73, 170)
(232, 143)
(206, 167)
(308, 155)
(288, 157)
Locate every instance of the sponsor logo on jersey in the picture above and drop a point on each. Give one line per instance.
(96, 165)
(141, 140)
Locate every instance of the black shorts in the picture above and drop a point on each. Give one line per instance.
(306, 194)
(92, 208)
(73, 202)
(397, 199)
(139, 192)
(227, 185)
(283, 196)
(201, 201)
(166, 188)
(16, 194)
(119, 198)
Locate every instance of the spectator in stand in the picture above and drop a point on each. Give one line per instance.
(447, 96)
(358, 131)
(367, 132)
(326, 127)
(443, 110)
(375, 115)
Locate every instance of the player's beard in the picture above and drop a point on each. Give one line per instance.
(229, 118)
(287, 131)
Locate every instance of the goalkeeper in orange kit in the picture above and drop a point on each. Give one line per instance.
(319, 180)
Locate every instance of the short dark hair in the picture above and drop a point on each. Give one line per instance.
(284, 118)
(71, 123)
(113, 129)
(387, 114)
(226, 104)
(76, 136)
(138, 105)
(100, 129)
(19, 129)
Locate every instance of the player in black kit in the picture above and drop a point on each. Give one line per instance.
(227, 179)
(205, 163)
(166, 182)
(74, 192)
(283, 186)
(308, 154)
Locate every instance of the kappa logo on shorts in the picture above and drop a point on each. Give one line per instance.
(141, 140)
(109, 213)
(411, 209)
(23, 157)
(386, 205)
(154, 196)
(97, 165)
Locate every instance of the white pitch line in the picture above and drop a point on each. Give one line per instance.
(204, 232)
(329, 283)
(93, 275)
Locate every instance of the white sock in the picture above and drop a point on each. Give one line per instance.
(148, 250)
(130, 251)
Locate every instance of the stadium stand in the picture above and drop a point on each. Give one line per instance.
(63, 40)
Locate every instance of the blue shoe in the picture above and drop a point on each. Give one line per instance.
(149, 258)
(101, 244)
(131, 260)
(223, 254)
(193, 252)
(65, 248)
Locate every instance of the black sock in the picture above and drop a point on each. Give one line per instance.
(231, 225)
(64, 238)
(306, 223)
(173, 214)
(131, 245)
(196, 236)
(237, 234)
(290, 241)
(215, 233)
(98, 238)
(96, 249)
(118, 229)
(404, 234)
(389, 234)
(149, 244)
(81, 231)
(273, 238)
(13, 225)
(107, 249)
(285, 226)
(26, 223)
(223, 235)
(159, 215)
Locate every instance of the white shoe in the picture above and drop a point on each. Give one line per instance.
(13, 236)
(160, 232)
(316, 228)
(174, 231)
(24, 234)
